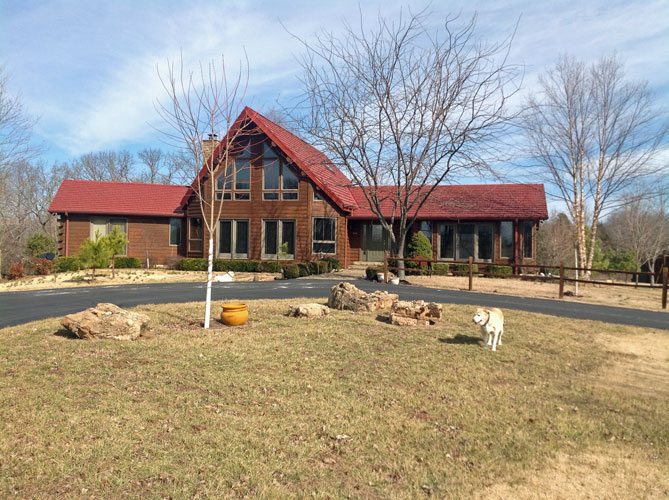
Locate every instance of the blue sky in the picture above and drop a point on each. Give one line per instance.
(88, 69)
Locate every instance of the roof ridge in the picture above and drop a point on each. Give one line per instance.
(127, 183)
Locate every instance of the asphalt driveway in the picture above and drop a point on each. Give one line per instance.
(21, 307)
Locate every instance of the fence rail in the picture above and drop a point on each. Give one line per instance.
(427, 266)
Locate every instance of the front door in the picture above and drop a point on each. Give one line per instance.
(375, 242)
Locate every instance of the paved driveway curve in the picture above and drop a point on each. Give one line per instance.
(21, 307)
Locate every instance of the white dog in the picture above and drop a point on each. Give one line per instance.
(491, 321)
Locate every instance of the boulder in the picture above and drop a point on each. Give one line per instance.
(346, 296)
(106, 321)
(311, 310)
(417, 312)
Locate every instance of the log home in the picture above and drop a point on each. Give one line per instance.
(283, 199)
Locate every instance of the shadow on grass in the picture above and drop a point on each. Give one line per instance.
(65, 333)
(461, 339)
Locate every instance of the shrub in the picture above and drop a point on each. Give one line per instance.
(16, 271)
(333, 263)
(96, 253)
(499, 270)
(269, 266)
(237, 266)
(173, 262)
(419, 247)
(303, 269)
(190, 264)
(371, 272)
(442, 269)
(313, 267)
(127, 263)
(464, 269)
(41, 267)
(66, 264)
(323, 267)
(40, 244)
(291, 271)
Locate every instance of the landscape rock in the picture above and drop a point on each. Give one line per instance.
(346, 296)
(417, 312)
(106, 321)
(311, 310)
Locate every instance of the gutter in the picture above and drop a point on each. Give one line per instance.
(67, 234)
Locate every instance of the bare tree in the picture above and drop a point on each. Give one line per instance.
(15, 147)
(594, 135)
(113, 166)
(642, 228)
(554, 240)
(198, 106)
(403, 107)
(159, 167)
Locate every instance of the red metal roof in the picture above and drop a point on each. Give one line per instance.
(118, 198)
(315, 164)
(473, 202)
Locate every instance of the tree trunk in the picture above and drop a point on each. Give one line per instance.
(401, 274)
(210, 268)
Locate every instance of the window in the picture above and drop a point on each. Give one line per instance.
(235, 181)
(278, 239)
(279, 181)
(317, 197)
(426, 229)
(528, 247)
(506, 239)
(461, 241)
(324, 235)
(446, 241)
(233, 239)
(194, 234)
(101, 226)
(175, 232)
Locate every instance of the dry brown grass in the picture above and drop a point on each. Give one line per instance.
(345, 406)
(636, 298)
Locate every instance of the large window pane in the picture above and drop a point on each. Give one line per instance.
(446, 243)
(175, 232)
(506, 237)
(98, 228)
(289, 178)
(527, 239)
(466, 239)
(271, 175)
(288, 236)
(242, 238)
(485, 240)
(426, 229)
(225, 237)
(243, 175)
(271, 237)
(324, 235)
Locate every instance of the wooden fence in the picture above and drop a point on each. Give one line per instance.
(466, 268)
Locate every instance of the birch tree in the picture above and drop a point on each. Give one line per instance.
(404, 106)
(199, 105)
(594, 136)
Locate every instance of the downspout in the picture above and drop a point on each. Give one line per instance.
(516, 245)
(346, 242)
(67, 234)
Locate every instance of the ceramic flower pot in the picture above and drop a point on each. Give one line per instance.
(234, 314)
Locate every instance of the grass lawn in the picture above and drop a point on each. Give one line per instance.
(346, 406)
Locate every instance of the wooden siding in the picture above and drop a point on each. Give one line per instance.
(256, 209)
(146, 235)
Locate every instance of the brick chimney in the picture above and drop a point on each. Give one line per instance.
(209, 145)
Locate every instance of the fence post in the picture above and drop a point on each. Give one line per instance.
(561, 294)
(471, 272)
(385, 267)
(665, 279)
